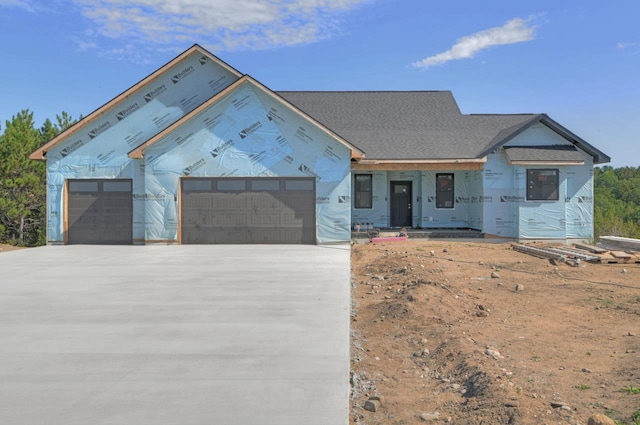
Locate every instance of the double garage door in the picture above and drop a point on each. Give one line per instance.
(249, 210)
(212, 211)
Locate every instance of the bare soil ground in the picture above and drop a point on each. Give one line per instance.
(6, 248)
(437, 339)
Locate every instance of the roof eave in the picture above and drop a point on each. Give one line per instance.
(138, 152)
(499, 141)
(424, 161)
(599, 157)
(544, 162)
(356, 153)
(40, 153)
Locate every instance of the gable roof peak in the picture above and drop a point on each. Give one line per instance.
(40, 153)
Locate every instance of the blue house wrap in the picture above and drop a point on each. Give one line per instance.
(199, 153)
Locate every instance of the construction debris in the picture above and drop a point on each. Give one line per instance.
(579, 252)
(616, 242)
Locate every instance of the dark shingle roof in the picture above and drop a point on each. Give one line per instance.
(415, 125)
(553, 153)
(404, 125)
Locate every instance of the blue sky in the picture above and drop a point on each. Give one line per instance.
(578, 61)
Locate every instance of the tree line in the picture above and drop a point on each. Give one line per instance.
(23, 186)
(617, 202)
(22, 180)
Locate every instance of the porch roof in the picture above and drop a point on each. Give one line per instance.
(555, 154)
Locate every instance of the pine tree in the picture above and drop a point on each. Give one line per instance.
(22, 180)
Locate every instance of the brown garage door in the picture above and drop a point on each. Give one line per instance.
(250, 210)
(99, 211)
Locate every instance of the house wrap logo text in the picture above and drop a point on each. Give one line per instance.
(247, 131)
(194, 166)
(223, 147)
(148, 97)
(72, 147)
(182, 74)
(99, 129)
(120, 115)
(509, 198)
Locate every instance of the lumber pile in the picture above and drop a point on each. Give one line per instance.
(579, 252)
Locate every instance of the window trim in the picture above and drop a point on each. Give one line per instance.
(453, 191)
(357, 199)
(529, 195)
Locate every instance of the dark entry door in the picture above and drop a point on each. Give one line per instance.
(400, 204)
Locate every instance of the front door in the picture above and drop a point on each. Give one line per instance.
(400, 204)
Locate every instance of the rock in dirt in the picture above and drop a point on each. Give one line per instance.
(427, 417)
(372, 405)
(519, 287)
(493, 353)
(495, 275)
(600, 419)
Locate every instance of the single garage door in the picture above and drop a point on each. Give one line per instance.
(250, 210)
(99, 211)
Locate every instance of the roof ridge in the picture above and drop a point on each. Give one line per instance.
(503, 115)
(363, 91)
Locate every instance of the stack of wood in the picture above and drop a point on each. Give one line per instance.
(611, 250)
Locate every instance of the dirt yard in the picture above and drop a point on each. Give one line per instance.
(477, 333)
(7, 248)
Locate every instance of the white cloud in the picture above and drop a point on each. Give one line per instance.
(514, 31)
(623, 46)
(223, 24)
(22, 4)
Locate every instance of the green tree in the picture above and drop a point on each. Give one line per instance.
(617, 202)
(22, 180)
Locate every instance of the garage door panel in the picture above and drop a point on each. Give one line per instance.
(100, 211)
(248, 210)
(229, 219)
(265, 201)
(264, 219)
(84, 202)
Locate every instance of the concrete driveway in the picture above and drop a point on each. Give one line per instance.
(251, 334)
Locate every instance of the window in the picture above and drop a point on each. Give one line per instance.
(231, 185)
(364, 198)
(196, 185)
(116, 186)
(306, 184)
(83, 186)
(265, 185)
(444, 190)
(542, 185)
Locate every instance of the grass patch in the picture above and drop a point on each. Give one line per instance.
(582, 387)
(630, 389)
